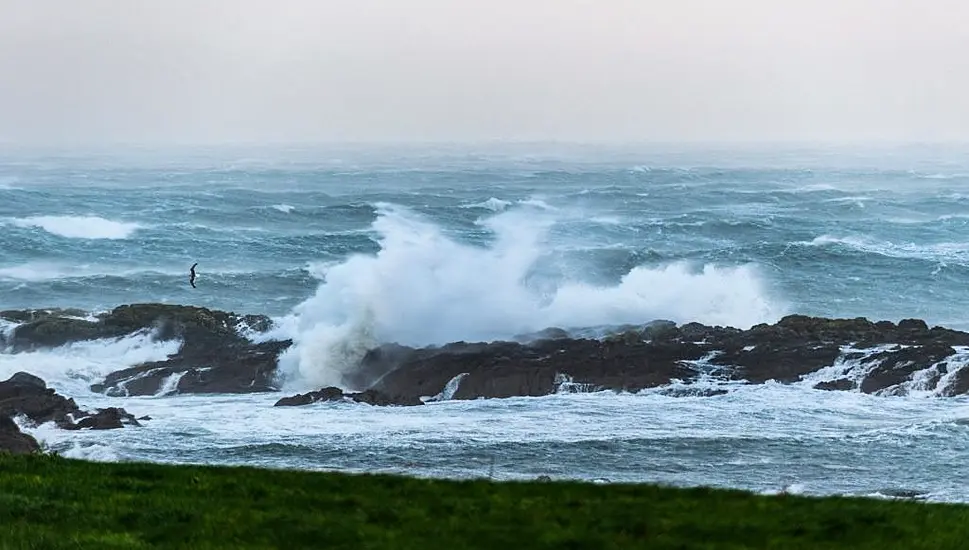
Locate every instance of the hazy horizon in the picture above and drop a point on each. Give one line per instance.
(297, 72)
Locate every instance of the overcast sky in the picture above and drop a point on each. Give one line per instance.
(187, 71)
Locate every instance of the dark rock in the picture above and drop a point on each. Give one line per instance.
(238, 367)
(897, 366)
(325, 394)
(197, 326)
(780, 361)
(23, 395)
(107, 419)
(215, 357)
(374, 397)
(841, 384)
(26, 395)
(506, 380)
(27, 380)
(13, 441)
(506, 369)
(660, 352)
(28, 315)
(370, 397)
(913, 325)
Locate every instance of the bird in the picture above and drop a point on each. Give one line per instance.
(191, 279)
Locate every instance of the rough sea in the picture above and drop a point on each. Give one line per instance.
(431, 244)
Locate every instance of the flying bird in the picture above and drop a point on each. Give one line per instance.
(191, 279)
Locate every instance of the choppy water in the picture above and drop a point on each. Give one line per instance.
(353, 246)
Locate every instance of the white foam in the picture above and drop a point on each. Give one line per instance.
(493, 204)
(423, 288)
(6, 331)
(945, 251)
(72, 368)
(79, 227)
(284, 208)
(170, 385)
(537, 203)
(450, 388)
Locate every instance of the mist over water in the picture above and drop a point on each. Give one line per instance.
(348, 248)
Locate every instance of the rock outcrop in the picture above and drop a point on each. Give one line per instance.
(13, 441)
(661, 352)
(370, 397)
(881, 358)
(26, 395)
(196, 326)
(215, 356)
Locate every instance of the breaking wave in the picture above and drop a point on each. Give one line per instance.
(935, 252)
(79, 227)
(424, 288)
(72, 368)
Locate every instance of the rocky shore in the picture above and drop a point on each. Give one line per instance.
(882, 358)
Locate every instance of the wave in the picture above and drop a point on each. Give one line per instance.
(79, 227)
(72, 368)
(936, 252)
(284, 208)
(493, 204)
(423, 288)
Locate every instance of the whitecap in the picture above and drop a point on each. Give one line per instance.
(493, 204)
(79, 227)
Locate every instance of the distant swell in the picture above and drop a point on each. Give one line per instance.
(79, 227)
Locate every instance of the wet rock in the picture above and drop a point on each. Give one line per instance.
(783, 361)
(377, 398)
(507, 369)
(107, 419)
(236, 367)
(897, 366)
(28, 315)
(325, 394)
(958, 384)
(370, 397)
(197, 326)
(13, 441)
(26, 380)
(26, 395)
(660, 352)
(841, 384)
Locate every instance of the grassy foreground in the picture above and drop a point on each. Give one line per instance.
(51, 503)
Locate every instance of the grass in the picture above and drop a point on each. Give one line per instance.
(52, 503)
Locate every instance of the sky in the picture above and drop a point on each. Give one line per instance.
(293, 71)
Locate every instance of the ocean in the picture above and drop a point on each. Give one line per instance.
(429, 244)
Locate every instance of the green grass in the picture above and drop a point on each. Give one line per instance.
(52, 503)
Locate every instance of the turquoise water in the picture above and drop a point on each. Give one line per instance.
(352, 246)
(827, 233)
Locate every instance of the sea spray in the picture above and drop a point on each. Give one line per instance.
(70, 369)
(424, 288)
